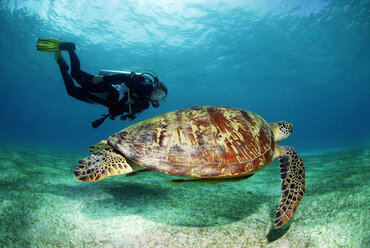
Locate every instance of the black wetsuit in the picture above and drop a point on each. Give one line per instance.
(139, 90)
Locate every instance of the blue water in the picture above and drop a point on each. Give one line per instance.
(307, 62)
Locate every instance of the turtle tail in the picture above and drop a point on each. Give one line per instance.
(292, 185)
(102, 164)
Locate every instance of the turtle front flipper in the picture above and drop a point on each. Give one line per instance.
(292, 184)
(98, 147)
(102, 164)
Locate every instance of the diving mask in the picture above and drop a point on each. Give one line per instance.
(157, 96)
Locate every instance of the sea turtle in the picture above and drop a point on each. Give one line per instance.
(211, 143)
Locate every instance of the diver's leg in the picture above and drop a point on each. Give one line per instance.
(78, 92)
(83, 78)
(72, 89)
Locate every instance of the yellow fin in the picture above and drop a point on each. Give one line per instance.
(212, 180)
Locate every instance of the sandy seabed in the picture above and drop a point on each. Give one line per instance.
(42, 204)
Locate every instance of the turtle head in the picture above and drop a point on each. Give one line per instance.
(104, 163)
(281, 130)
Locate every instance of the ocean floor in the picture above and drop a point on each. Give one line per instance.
(42, 204)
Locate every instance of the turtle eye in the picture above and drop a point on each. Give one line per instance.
(288, 128)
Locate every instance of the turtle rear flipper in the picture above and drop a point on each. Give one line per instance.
(292, 185)
(102, 164)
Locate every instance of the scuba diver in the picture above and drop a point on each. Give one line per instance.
(121, 92)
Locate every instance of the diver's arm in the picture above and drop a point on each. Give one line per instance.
(136, 111)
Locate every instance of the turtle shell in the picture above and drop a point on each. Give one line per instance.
(205, 142)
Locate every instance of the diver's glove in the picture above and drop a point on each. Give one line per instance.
(129, 117)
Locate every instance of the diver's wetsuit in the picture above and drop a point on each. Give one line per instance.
(104, 92)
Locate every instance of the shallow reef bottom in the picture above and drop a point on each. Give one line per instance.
(42, 204)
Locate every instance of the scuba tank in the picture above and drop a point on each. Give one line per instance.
(149, 77)
(110, 72)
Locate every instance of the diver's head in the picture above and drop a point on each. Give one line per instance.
(158, 94)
